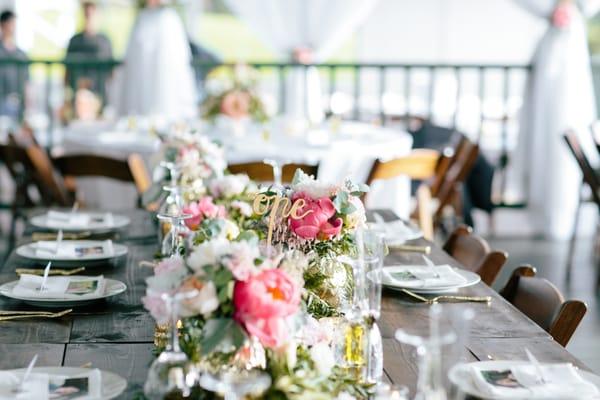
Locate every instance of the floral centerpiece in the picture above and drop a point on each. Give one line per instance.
(233, 95)
(197, 160)
(245, 312)
(322, 228)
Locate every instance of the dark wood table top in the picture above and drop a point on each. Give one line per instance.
(117, 334)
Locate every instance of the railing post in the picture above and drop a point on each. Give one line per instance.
(382, 84)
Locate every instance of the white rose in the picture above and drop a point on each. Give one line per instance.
(323, 358)
(244, 208)
(207, 253)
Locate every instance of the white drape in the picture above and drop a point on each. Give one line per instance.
(157, 77)
(559, 96)
(320, 25)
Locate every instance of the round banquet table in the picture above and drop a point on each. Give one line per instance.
(348, 151)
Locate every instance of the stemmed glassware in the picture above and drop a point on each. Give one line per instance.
(363, 349)
(277, 164)
(174, 239)
(236, 384)
(172, 373)
(431, 384)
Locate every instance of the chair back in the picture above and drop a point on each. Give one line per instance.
(35, 163)
(474, 253)
(589, 175)
(457, 167)
(261, 172)
(140, 174)
(420, 164)
(90, 165)
(541, 301)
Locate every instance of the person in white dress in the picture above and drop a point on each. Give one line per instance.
(157, 78)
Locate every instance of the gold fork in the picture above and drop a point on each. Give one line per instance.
(40, 314)
(437, 299)
(36, 271)
(37, 236)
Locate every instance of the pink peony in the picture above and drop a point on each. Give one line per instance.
(205, 208)
(236, 104)
(320, 223)
(562, 15)
(263, 302)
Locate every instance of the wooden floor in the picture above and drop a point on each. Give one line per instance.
(549, 257)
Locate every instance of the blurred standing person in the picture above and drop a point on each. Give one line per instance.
(14, 71)
(157, 77)
(89, 45)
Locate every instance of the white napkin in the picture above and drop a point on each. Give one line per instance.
(562, 382)
(59, 219)
(62, 287)
(422, 276)
(71, 249)
(397, 232)
(36, 386)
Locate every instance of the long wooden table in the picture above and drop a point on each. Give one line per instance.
(117, 335)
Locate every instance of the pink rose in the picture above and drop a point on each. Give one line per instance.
(263, 302)
(205, 208)
(168, 265)
(320, 222)
(236, 104)
(561, 17)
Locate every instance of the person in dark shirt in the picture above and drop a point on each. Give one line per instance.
(14, 71)
(89, 45)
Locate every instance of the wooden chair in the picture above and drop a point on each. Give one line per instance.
(590, 178)
(474, 254)
(420, 164)
(140, 174)
(541, 301)
(261, 172)
(452, 171)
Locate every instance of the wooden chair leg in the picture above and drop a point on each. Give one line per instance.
(573, 241)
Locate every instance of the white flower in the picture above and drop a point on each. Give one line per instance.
(291, 355)
(240, 259)
(204, 303)
(244, 208)
(357, 218)
(230, 230)
(207, 253)
(323, 358)
(314, 188)
(229, 185)
(166, 282)
(345, 396)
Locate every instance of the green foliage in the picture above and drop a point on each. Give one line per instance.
(223, 335)
(304, 381)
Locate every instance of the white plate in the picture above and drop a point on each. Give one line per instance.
(459, 376)
(119, 221)
(113, 288)
(398, 237)
(112, 384)
(28, 251)
(471, 279)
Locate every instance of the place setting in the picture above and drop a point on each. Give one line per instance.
(60, 290)
(61, 383)
(71, 252)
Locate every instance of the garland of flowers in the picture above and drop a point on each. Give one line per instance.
(255, 307)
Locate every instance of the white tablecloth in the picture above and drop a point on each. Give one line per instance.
(349, 152)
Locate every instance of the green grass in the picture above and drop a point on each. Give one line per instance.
(223, 33)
